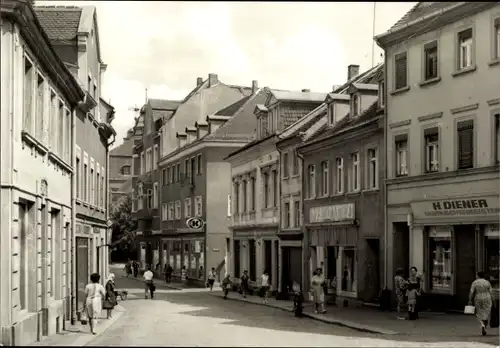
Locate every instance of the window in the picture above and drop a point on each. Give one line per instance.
(97, 189)
(331, 114)
(236, 197)
(401, 71)
(126, 170)
(149, 199)
(171, 211)
(266, 189)
(198, 164)
(103, 188)
(275, 188)
(155, 195)
(252, 194)
(311, 181)
(23, 259)
(381, 94)
(67, 129)
(178, 172)
(431, 150)
(53, 121)
(465, 49)
(355, 105)
(297, 213)
(497, 138)
(324, 178)
(95, 91)
(60, 135)
(89, 84)
(149, 160)
(492, 257)
(286, 215)
(401, 156)
(170, 175)
(39, 113)
(140, 197)
(165, 174)
(164, 211)
(155, 157)
(78, 177)
(28, 95)
(85, 182)
(285, 165)
(178, 210)
(245, 195)
(431, 60)
(193, 169)
(295, 167)
(187, 207)
(143, 163)
(198, 206)
(372, 169)
(497, 38)
(348, 282)
(355, 172)
(339, 161)
(440, 252)
(465, 137)
(187, 169)
(92, 183)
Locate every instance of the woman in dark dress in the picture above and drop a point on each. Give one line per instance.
(413, 289)
(110, 300)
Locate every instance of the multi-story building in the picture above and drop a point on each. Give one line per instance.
(120, 169)
(255, 171)
(442, 141)
(146, 180)
(295, 257)
(39, 99)
(73, 32)
(342, 198)
(205, 99)
(195, 185)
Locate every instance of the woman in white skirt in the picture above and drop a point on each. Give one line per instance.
(94, 295)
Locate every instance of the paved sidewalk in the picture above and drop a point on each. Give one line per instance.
(78, 334)
(373, 320)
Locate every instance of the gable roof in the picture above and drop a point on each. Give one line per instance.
(163, 104)
(125, 149)
(61, 23)
(233, 108)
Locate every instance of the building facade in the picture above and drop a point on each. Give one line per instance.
(343, 196)
(294, 248)
(442, 141)
(38, 105)
(255, 172)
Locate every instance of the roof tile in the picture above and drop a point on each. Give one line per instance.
(422, 9)
(59, 23)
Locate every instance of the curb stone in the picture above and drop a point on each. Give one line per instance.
(333, 321)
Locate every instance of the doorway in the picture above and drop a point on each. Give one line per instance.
(268, 256)
(401, 247)
(292, 267)
(372, 270)
(82, 268)
(237, 259)
(252, 267)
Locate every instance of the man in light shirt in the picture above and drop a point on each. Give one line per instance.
(148, 281)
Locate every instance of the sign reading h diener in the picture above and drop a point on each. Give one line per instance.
(461, 207)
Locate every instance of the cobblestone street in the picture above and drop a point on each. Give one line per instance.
(193, 318)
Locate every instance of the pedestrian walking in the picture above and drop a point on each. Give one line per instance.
(480, 298)
(135, 267)
(148, 283)
(110, 300)
(226, 285)
(413, 293)
(211, 278)
(94, 295)
(317, 281)
(128, 268)
(400, 286)
(244, 283)
(168, 273)
(264, 285)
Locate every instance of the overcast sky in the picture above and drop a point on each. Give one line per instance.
(165, 46)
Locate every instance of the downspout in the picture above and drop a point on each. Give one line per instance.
(305, 235)
(106, 203)
(386, 233)
(73, 218)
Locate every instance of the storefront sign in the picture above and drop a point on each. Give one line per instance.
(332, 213)
(463, 207)
(195, 223)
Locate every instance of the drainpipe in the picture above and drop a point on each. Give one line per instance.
(73, 219)
(305, 236)
(106, 202)
(384, 192)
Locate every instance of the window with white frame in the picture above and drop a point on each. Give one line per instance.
(178, 213)
(430, 60)
(92, 186)
(164, 213)
(143, 163)
(381, 94)
(155, 157)
(149, 199)
(401, 145)
(355, 182)
(199, 164)
(198, 206)
(140, 197)
(331, 113)
(155, 195)
(85, 182)
(431, 150)
(295, 164)
(311, 181)
(372, 169)
(29, 75)
(465, 49)
(103, 187)
(296, 213)
(60, 133)
(78, 174)
(39, 107)
(97, 187)
(265, 177)
(497, 38)
(244, 191)
(53, 115)
(339, 162)
(324, 178)
(187, 207)
(400, 71)
(67, 130)
(148, 160)
(236, 195)
(285, 165)
(171, 211)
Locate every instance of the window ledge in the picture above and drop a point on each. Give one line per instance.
(494, 62)
(31, 140)
(337, 194)
(400, 90)
(401, 175)
(310, 198)
(285, 178)
(372, 190)
(78, 201)
(294, 176)
(326, 195)
(464, 71)
(430, 82)
(60, 161)
(357, 192)
(270, 209)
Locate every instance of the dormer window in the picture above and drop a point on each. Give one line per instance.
(331, 113)
(381, 95)
(355, 105)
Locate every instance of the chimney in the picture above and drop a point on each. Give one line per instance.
(212, 80)
(199, 81)
(306, 90)
(255, 86)
(352, 71)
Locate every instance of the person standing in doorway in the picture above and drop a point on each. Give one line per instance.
(264, 283)
(317, 282)
(244, 283)
(412, 293)
(211, 278)
(480, 298)
(148, 283)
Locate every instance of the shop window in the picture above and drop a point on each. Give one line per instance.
(441, 259)
(492, 254)
(348, 262)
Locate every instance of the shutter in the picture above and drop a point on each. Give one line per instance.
(401, 71)
(465, 147)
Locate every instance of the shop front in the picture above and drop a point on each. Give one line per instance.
(184, 251)
(450, 241)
